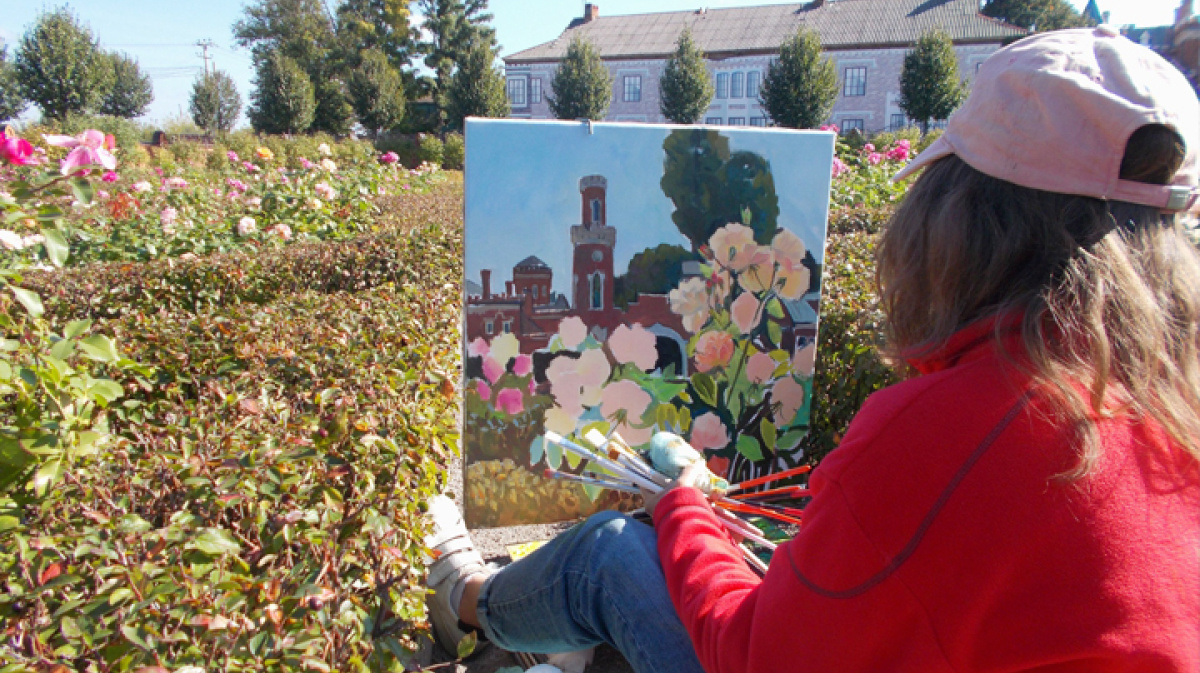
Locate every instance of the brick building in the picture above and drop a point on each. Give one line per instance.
(866, 39)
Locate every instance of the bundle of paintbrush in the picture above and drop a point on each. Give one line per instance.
(612, 464)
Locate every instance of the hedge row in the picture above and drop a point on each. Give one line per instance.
(259, 509)
(417, 229)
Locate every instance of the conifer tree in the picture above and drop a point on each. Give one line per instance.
(476, 89)
(685, 89)
(582, 85)
(283, 100)
(929, 84)
(800, 87)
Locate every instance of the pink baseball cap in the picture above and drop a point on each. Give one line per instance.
(1054, 111)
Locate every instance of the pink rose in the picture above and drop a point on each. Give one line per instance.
(839, 167)
(110, 176)
(634, 344)
(522, 365)
(713, 349)
(572, 331)
(868, 148)
(510, 401)
(478, 347)
(492, 370)
(708, 432)
(87, 148)
(17, 151)
(874, 158)
(789, 395)
(744, 312)
(760, 368)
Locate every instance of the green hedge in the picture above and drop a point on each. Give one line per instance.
(416, 228)
(260, 509)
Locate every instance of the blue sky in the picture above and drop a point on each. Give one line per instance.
(524, 176)
(162, 35)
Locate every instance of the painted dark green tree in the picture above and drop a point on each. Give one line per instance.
(656, 270)
(712, 186)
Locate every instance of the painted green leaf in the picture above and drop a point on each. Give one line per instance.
(705, 388)
(767, 429)
(775, 333)
(748, 446)
(775, 308)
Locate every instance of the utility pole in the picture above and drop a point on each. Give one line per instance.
(205, 45)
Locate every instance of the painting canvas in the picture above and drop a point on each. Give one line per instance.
(635, 278)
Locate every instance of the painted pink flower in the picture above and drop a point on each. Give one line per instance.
(789, 395)
(110, 176)
(634, 344)
(760, 368)
(484, 390)
(558, 420)
(708, 432)
(745, 312)
(510, 401)
(804, 362)
(572, 331)
(87, 148)
(690, 302)
(492, 370)
(792, 277)
(713, 349)
(522, 365)
(624, 402)
(477, 348)
(734, 247)
(532, 387)
(718, 465)
(576, 383)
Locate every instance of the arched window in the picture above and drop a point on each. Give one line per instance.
(597, 290)
(595, 211)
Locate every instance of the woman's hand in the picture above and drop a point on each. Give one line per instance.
(687, 478)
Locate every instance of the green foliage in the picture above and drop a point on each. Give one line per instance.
(582, 85)
(800, 87)
(849, 367)
(476, 89)
(215, 103)
(929, 83)
(712, 186)
(454, 28)
(656, 270)
(432, 150)
(685, 88)
(454, 153)
(385, 25)
(12, 103)
(298, 29)
(129, 92)
(282, 101)
(377, 92)
(1036, 15)
(334, 113)
(59, 67)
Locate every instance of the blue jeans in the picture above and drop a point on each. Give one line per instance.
(599, 582)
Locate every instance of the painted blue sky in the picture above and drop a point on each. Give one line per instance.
(522, 193)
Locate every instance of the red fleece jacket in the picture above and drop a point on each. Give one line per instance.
(938, 539)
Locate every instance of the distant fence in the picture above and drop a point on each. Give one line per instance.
(163, 139)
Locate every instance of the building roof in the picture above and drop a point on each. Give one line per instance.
(531, 262)
(842, 24)
(1158, 38)
(1092, 12)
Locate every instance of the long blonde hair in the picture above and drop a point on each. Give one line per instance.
(1110, 292)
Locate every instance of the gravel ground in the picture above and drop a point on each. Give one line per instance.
(493, 544)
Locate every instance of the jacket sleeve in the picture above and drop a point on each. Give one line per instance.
(713, 589)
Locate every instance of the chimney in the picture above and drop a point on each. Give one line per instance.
(486, 276)
(508, 288)
(591, 12)
(1184, 12)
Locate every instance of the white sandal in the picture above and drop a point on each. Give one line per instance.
(453, 557)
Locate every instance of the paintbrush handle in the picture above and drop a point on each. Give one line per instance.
(775, 476)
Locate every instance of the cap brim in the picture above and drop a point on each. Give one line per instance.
(936, 150)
